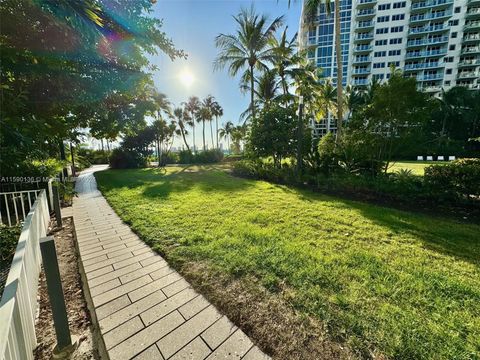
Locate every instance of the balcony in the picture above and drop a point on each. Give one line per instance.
(365, 13)
(431, 4)
(422, 54)
(470, 86)
(362, 59)
(472, 26)
(428, 29)
(473, 2)
(469, 63)
(429, 88)
(421, 66)
(363, 37)
(430, 16)
(470, 50)
(430, 77)
(360, 82)
(366, 3)
(361, 71)
(364, 25)
(471, 38)
(362, 49)
(473, 13)
(425, 41)
(468, 75)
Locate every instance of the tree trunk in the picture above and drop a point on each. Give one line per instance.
(193, 130)
(338, 51)
(203, 132)
(63, 158)
(211, 133)
(184, 139)
(216, 126)
(74, 173)
(108, 145)
(101, 141)
(252, 92)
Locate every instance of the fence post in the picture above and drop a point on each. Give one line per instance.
(55, 292)
(56, 205)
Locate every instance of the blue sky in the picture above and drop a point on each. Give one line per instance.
(193, 26)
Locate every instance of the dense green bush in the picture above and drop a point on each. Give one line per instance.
(202, 157)
(92, 156)
(460, 178)
(264, 171)
(126, 159)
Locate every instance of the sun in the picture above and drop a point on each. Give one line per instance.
(186, 77)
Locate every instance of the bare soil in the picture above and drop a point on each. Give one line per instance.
(77, 311)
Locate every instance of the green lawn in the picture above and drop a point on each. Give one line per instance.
(417, 167)
(388, 282)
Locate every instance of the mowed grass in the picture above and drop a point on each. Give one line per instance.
(387, 282)
(417, 167)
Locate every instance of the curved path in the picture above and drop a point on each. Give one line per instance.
(145, 309)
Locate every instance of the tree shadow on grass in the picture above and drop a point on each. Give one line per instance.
(435, 233)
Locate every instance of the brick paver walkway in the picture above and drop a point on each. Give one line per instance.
(145, 309)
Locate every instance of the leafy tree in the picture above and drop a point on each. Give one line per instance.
(202, 116)
(249, 48)
(226, 132)
(193, 107)
(217, 112)
(182, 119)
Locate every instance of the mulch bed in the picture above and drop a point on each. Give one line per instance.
(78, 314)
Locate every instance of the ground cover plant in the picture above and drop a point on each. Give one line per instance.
(384, 282)
(416, 167)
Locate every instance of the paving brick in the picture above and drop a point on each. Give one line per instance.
(146, 337)
(94, 261)
(255, 354)
(151, 353)
(175, 287)
(104, 252)
(142, 271)
(234, 347)
(132, 310)
(130, 260)
(161, 272)
(122, 332)
(98, 272)
(114, 274)
(218, 332)
(112, 307)
(126, 243)
(163, 308)
(121, 290)
(193, 307)
(124, 250)
(113, 261)
(154, 286)
(195, 350)
(185, 333)
(149, 259)
(109, 285)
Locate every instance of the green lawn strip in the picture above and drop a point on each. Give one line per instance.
(385, 281)
(417, 167)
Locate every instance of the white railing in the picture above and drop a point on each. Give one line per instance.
(18, 304)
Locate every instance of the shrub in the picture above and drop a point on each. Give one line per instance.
(126, 159)
(203, 157)
(460, 178)
(264, 171)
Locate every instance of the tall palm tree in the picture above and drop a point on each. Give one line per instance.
(182, 118)
(285, 51)
(226, 132)
(162, 105)
(193, 106)
(249, 48)
(210, 104)
(310, 12)
(203, 115)
(217, 111)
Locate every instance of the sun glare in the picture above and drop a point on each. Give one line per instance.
(186, 77)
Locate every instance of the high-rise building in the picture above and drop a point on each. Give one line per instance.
(435, 41)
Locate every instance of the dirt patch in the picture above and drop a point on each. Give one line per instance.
(78, 314)
(266, 318)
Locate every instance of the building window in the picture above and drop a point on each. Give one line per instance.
(384, 7)
(399, 5)
(448, 72)
(447, 83)
(396, 29)
(454, 35)
(395, 41)
(394, 63)
(398, 17)
(382, 31)
(457, 9)
(451, 47)
(379, 53)
(453, 22)
(377, 77)
(394, 52)
(383, 19)
(378, 65)
(448, 59)
(381, 42)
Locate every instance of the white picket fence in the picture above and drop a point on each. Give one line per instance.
(18, 304)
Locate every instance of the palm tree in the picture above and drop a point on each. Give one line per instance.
(217, 111)
(285, 51)
(249, 48)
(203, 115)
(210, 104)
(193, 106)
(162, 104)
(310, 12)
(226, 132)
(182, 118)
